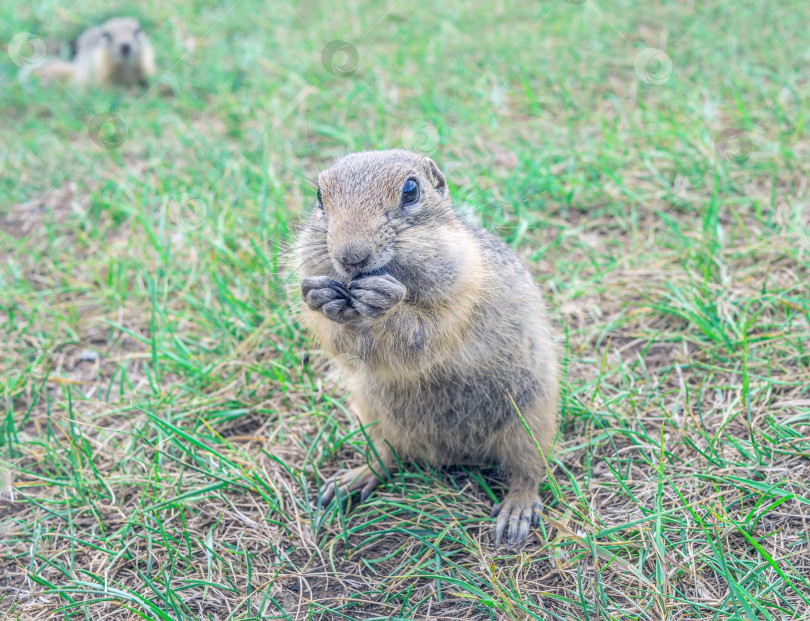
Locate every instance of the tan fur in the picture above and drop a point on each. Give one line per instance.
(443, 328)
(450, 324)
(51, 71)
(101, 59)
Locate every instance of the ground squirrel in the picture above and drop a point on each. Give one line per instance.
(116, 53)
(438, 322)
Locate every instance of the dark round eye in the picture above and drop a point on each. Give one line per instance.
(320, 198)
(410, 192)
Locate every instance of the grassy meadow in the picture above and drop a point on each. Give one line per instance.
(164, 422)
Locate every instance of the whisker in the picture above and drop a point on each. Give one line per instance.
(292, 170)
(311, 148)
(314, 244)
(313, 267)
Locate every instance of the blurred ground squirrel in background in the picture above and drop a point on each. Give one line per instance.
(116, 53)
(439, 324)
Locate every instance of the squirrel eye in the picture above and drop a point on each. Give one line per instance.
(107, 36)
(320, 198)
(410, 192)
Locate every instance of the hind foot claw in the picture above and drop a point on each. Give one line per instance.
(519, 512)
(345, 482)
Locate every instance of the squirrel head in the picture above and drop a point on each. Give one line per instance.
(124, 39)
(378, 212)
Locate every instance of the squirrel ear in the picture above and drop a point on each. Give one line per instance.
(435, 175)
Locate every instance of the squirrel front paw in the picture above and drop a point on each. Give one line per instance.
(328, 296)
(367, 296)
(373, 296)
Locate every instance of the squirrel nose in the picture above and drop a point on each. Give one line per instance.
(353, 258)
(125, 48)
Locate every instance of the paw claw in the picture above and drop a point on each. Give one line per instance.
(344, 483)
(326, 495)
(340, 289)
(536, 511)
(516, 516)
(499, 528)
(366, 491)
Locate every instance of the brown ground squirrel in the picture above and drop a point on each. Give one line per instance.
(438, 321)
(116, 53)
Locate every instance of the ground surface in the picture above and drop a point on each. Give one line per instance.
(163, 427)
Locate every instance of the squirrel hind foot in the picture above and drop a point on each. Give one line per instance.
(516, 515)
